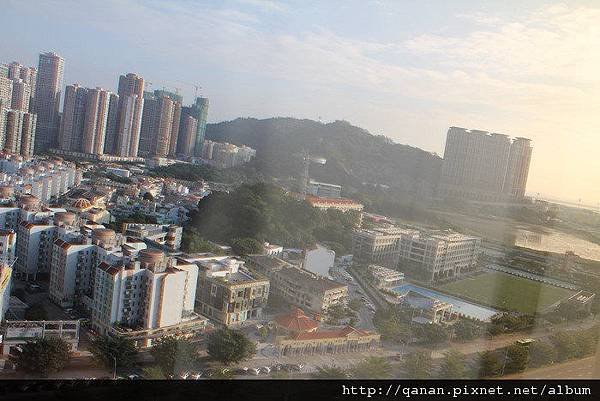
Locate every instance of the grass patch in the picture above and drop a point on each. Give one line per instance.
(504, 291)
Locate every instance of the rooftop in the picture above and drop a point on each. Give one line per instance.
(310, 280)
(296, 321)
(345, 332)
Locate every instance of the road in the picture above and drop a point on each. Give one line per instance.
(365, 315)
(487, 344)
(578, 369)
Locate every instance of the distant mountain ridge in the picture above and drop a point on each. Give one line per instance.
(354, 156)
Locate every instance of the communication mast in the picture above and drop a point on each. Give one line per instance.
(305, 177)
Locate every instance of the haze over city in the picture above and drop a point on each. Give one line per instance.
(404, 71)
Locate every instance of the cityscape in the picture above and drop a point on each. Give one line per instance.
(140, 241)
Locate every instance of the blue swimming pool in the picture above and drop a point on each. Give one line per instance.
(465, 308)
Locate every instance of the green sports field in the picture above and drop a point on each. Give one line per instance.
(503, 291)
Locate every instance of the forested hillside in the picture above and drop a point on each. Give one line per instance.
(264, 213)
(355, 157)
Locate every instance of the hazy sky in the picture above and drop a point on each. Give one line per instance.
(405, 69)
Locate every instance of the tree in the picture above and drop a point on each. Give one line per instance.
(246, 246)
(489, 364)
(153, 373)
(43, 356)
(418, 365)
(192, 242)
(566, 346)
(541, 353)
(263, 332)
(36, 312)
(465, 330)
(229, 346)
(392, 326)
(174, 355)
(111, 350)
(435, 333)
(453, 366)
(355, 304)
(586, 341)
(329, 372)
(372, 368)
(517, 358)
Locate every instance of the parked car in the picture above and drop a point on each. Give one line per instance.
(296, 367)
(255, 371)
(196, 375)
(278, 367)
(31, 287)
(265, 369)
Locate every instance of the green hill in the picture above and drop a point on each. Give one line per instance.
(355, 158)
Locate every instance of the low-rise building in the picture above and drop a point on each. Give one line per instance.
(272, 249)
(427, 255)
(119, 172)
(379, 245)
(293, 323)
(226, 155)
(344, 340)
(324, 190)
(227, 292)
(428, 309)
(341, 204)
(298, 286)
(164, 236)
(385, 278)
(17, 332)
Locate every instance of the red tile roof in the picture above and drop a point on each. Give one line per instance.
(340, 333)
(330, 201)
(296, 321)
(112, 270)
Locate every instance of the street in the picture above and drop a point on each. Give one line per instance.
(577, 369)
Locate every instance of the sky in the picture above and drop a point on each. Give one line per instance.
(407, 70)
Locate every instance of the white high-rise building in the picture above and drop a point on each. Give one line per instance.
(35, 239)
(484, 166)
(129, 115)
(47, 100)
(74, 261)
(144, 295)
